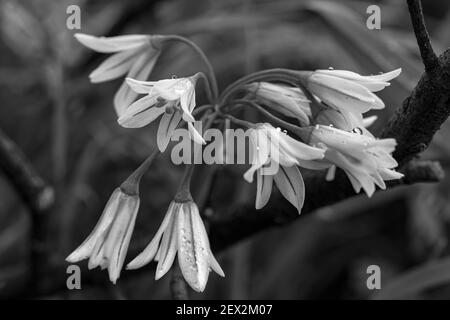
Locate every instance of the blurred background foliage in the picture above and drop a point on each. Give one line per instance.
(68, 128)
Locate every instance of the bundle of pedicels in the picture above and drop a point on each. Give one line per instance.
(327, 130)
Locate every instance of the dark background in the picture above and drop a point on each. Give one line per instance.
(67, 127)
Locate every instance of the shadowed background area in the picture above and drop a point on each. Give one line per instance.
(67, 127)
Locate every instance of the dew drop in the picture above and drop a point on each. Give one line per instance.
(357, 130)
(174, 77)
(330, 68)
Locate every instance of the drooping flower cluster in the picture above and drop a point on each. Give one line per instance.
(335, 123)
(182, 234)
(327, 107)
(366, 161)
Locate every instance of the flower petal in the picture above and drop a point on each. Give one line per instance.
(167, 125)
(259, 152)
(373, 83)
(97, 257)
(141, 87)
(112, 44)
(286, 100)
(343, 94)
(331, 173)
(102, 226)
(140, 113)
(193, 251)
(195, 135)
(139, 71)
(116, 245)
(290, 183)
(187, 103)
(150, 251)
(263, 189)
(115, 66)
(168, 245)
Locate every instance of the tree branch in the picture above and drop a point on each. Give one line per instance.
(422, 113)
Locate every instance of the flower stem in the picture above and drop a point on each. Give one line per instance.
(184, 190)
(207, 87)
(211, 75)
(240, 122)
(285, 124)
(200, 109)
(131, 184)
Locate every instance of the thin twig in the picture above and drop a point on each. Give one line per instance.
(429, 58)
(37, 195)
(22, 174)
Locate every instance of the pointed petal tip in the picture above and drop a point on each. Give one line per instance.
(197, 287)
(188, 117)
(396, 72)
(78, 35)
(220, 272)
(76, 256)
(71, 259)
(162, 147)
(81, 36)
(248, 177)
(94, 77)
(133, 265)
(159, 274)
(113, 279)
(129, 80)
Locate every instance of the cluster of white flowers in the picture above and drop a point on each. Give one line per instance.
(328, 106)
(334, 123)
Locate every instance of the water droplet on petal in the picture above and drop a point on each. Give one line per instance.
(330, 68)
